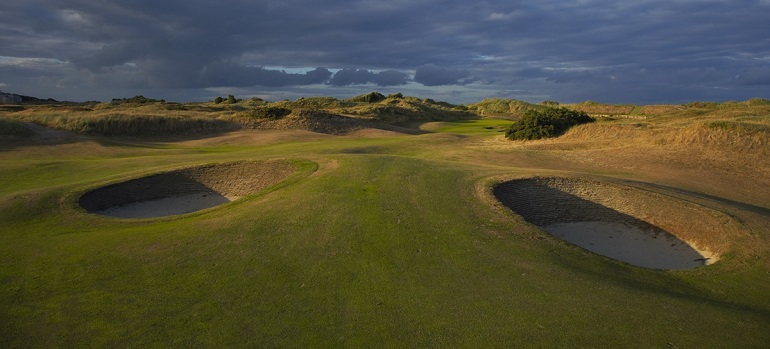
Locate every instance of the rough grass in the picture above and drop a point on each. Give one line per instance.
(10, 127)
(497, 107)
(142, 117)
(130, 124)
(594, 108)
(387, 244)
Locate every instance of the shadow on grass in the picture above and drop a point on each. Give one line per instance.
(39, 136)
(46, 136)
(661, 283)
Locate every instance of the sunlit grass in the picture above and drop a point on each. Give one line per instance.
(480, 127)
(383, 241)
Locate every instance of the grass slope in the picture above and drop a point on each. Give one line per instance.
(377, 242)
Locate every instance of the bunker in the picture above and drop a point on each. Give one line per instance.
(185, 190)
(624, 223)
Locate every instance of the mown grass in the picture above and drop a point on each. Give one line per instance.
(338, 260)
(386, 244)
(481, 127)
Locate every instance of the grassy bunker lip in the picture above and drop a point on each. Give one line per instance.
(624, 223)
(184, 190)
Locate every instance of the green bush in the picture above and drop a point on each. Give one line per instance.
(318, 103)
(372, 97)
(136, 100)
(270, 113)
(546, 123)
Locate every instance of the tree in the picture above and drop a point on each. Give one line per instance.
(550, 122)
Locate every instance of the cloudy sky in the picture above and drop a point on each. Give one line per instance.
(642, 51)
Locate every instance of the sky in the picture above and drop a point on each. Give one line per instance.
(610, 51)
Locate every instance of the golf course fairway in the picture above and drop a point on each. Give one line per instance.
(379, 239)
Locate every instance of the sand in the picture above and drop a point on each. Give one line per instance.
(170, 206)
(635, 226)
(184, 190)
(630, 244)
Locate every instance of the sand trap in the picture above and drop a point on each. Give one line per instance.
(184, 191)
(167, 206)
(644, 248)
(623, 223)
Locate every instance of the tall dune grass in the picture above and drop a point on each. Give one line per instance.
(10, 127)
(133, 125)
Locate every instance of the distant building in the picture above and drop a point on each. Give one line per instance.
(9, 98)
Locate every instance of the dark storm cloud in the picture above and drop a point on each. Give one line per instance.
(229, 74)
(431, 75)
(667, 50)
(351, 76)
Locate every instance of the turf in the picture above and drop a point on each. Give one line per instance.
(375, 242)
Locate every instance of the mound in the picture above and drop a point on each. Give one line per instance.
(185, 190)
(627, 224)
(310, 120)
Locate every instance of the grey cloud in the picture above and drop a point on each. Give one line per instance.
(351, 76)
(548, 46)
(229, 74)
(431, 75)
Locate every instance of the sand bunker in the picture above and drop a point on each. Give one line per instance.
(184, 191)
(627, 224)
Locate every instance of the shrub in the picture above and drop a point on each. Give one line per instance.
(319, 103)
(372, 97)
(551, 122)
(136, 100)
(270, 113)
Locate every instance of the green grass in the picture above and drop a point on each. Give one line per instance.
(481, 127)
(385, 245)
